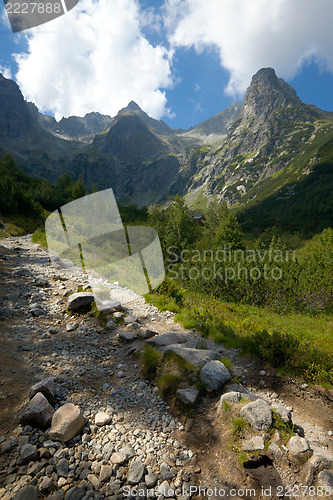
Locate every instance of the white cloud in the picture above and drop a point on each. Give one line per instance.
(6, 72)
(251, 34)
(95, 58)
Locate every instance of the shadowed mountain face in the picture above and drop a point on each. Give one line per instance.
(15, 118)
(244, 155)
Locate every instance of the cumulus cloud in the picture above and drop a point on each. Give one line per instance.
(252, 34)
(5, 71)
(95, 58)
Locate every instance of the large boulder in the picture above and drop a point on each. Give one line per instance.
(67, 422)
(214, 375)
(258, 414)
(319, 461)
(37, 413)
(79, 300)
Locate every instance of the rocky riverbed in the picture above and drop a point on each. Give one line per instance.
(131, 444)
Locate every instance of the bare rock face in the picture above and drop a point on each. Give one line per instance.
(37, 413)
(67, 422)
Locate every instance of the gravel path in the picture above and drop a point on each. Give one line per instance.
(96, 370)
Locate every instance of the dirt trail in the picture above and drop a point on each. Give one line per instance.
(26, 338)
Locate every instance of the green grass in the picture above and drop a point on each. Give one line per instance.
(298, 343)
(239, 425)
(150, 360)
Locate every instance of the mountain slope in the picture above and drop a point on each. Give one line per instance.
(271, 152)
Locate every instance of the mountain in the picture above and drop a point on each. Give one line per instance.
(76, 127)
(274, 143)
(264, 157)
(220, 123)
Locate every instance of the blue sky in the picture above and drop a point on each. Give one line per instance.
(180, 60)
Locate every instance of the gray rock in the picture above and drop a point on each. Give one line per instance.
(258, 414)
(110, 307)
(128, 336)
(188, 396)
(166, 490)
(75, 493)
(165, 339)
(127, 451)
(317, 463)
(62, 467)
(197, 357)
(28, 454)
(46, 387)
(71, 327)
(105, 473)
(229, 397)
(67, 422)
(37, 413)
(79, 300)
(151, 480)
(6, 447)
(110, 325)
(42, 282)
(58, 495)
(297, 445)
(135, 472)
(254, 444)
(118, 458)
(45, 484)
(148, 334)
(214, 375)
(102, 418)
(130, 319)
(274, 451)
(325, 479)
(27, 493)
(282, 412)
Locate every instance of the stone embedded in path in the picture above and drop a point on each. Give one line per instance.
(71, 327)
(325, 479)
(128, 336)
(28, 454)
(214, 375)
(102, 418)
(27, 493)
(105, 473)
(79, 300)
(135, 472)
(254, 444)
(37, 413)
(42, 282)
(130, 319)
(67, 422)
(318, 462)
(258, 414)
(110, 307)
(110, 325)
(197, 357)
(118, 458)
(165, 339)
(298, 445)
(46, 387)
(230, 397)
(189, 395)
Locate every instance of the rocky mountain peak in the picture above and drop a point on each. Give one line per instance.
(266, 94)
